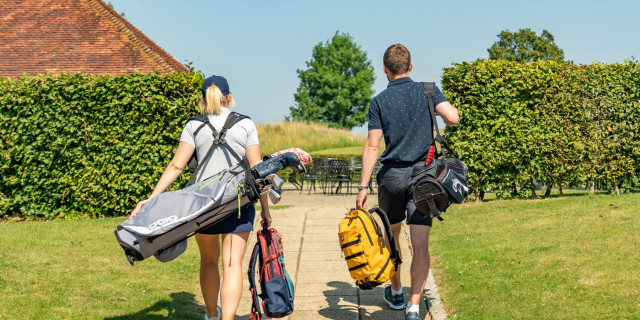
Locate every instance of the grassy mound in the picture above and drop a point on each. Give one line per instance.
(308, 136)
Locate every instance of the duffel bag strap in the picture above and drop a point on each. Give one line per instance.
(395, 256)
(429, 88)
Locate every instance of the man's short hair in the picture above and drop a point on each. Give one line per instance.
(397, 59)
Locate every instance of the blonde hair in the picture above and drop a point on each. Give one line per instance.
(215, 100)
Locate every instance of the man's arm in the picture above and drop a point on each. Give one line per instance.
(448, 113)
(369, 158)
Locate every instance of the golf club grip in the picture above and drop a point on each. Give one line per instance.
(275, 164)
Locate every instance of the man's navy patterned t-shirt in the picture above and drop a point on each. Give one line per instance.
(402, 112)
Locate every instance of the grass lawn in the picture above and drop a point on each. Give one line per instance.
(572, 257)
(76, 270)
(352, 151)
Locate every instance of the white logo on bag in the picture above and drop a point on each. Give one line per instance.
(458, 187)
(162, 222)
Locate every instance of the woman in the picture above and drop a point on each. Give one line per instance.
(243, 139)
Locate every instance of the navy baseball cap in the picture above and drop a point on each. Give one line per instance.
(219, 81)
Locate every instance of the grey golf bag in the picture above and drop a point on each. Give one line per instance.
(163, 225)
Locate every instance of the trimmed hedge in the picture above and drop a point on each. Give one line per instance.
(80, 145)
(555, 123)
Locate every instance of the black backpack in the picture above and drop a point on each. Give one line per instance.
(443, 178)
(219, 139)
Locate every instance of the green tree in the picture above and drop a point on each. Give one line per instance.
(336, 87)
(525, 45)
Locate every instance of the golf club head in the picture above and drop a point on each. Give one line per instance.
(276, 182)
(275, 195)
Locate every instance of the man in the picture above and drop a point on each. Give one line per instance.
(401, 113)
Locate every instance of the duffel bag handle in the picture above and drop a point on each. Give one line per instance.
(387, 229)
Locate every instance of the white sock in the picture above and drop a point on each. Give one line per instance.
(395, 293)
(413, 307)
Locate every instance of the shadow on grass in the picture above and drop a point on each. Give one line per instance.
(180, 305)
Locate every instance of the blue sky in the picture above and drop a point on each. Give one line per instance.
(259, 45)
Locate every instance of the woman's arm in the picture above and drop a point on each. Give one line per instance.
(253, 155)
(170, 174)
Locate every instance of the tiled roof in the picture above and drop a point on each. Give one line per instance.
(37, 36)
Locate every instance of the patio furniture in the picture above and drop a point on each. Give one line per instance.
(317, 172)
(338, 173)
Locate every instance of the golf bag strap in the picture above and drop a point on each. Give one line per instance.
(429, 88)
(387, 229)
(255, 303)
(219, 138)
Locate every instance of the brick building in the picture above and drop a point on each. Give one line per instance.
(38, 36)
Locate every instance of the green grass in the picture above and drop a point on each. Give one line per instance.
(352, 151)
(572, 257)
(63, 269)
(272, 207)
(76, 270)
(310, 137)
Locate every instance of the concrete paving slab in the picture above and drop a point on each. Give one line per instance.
(331, 288)
(325, 266)
(324, 277)
(332, 255)
(320, 303)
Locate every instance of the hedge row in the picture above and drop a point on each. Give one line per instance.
(86, 145)
(555, 123)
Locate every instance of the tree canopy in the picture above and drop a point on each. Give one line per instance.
(336, 87)
(525, 45)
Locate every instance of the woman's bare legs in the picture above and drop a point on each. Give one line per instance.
(233, 248)
(209, 245)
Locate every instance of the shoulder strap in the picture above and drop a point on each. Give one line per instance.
(255, 303)
(219, 138)
(202, 118)
(387, 229)
(232, 119)
(429, 88)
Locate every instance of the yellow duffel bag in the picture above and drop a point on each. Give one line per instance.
(369, 260)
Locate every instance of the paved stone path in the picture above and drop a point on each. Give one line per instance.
(323, 287)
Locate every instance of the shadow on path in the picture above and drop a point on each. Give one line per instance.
(338, 310)
(345, 306)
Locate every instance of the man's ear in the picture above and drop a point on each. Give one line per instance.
(410, 66)
(386, 71)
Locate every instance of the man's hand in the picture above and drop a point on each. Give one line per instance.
(361, 200)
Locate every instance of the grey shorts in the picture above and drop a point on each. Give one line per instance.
(395, 197)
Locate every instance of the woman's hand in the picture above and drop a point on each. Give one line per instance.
(266, 217)
(136, 210)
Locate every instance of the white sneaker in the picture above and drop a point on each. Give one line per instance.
(206, 316)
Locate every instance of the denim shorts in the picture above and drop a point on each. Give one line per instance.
(232, 224)
(395, 196)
